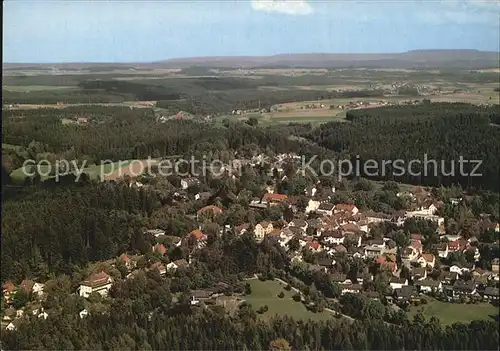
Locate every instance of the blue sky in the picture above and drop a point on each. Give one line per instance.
(145, 31)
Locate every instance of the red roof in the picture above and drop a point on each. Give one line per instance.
(125, 258)
(211, 208)
(388, 263)
(345, 207)
(428, 257)
(160, 248)
(313, 244)
(340, 248)
(9, 286)
(274, 197)
(416, 244)
(27, 285)
(198, 234)
(416, 236)
(97, 279)
(158, 265)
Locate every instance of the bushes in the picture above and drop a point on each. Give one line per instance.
(281, 295)
(288, 287)
(297, 297)
(262, 309)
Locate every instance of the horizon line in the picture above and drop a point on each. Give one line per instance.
(244, 56)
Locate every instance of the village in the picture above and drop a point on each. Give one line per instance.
(318, 234)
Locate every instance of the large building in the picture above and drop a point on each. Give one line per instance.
(97, 282)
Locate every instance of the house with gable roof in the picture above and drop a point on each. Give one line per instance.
(98, 282)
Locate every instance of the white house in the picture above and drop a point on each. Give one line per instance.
(458, 270)
(443, 250)
(333, 237)
(427, 285)
(43, 315)
(262, 229)
(349, 208)
(427, 260)
(325, 209)
(31, 286)
(351, 289)
(83, 313)
(13, 325)
(398, 283)
(187, 182)
(172, 266)
(312, 206)
(97, 282)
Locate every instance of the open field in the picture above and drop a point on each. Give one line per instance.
(450, 313)
(109, 171)
(265, 293)
(28, 88)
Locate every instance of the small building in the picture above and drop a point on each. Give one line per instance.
(397, 283)
(349, 208)
(262, 229)
(198, 296)
(127, 261)
(405, 293)
(188, 182)
(428, 285)
(351, 289)
(325, 209)
(491, 293)
(464, 288)
(31, 286)
(273, 199)
(160, 248)
(83, 313)
(172, 266)
(211, 209)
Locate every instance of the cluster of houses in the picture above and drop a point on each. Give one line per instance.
(342, 228)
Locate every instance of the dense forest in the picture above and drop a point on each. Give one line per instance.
(443, 132)
(128, 327)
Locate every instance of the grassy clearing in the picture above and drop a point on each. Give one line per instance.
(11, 147)
(94, 171)
(450, 313)
(266, 293)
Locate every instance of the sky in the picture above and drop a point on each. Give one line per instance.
(145, 31)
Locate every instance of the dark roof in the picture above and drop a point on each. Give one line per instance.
(338, 277)
(299, 223)
(201, 293)
(326, 207)
(405, 292)
(491, 291)
(448, 275)
(466, 286)
(333, 234)
(427, 282)
(418, 271)
(325, 262)
(352, 286)
(376, 242)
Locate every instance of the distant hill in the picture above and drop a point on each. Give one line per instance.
(458, 59)
(467, 59)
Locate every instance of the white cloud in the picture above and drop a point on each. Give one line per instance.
(289, 7)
